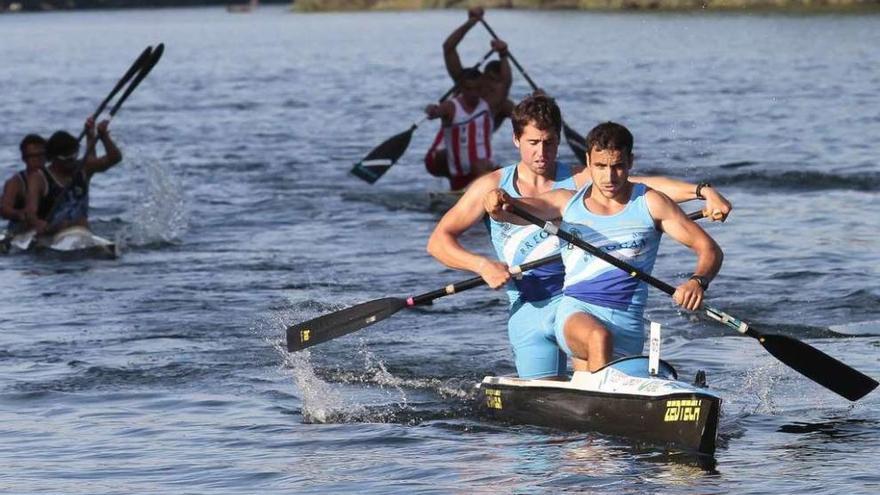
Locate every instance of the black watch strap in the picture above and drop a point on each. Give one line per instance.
(703, 281)
(700, 187)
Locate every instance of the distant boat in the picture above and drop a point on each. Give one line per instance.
(239, 8)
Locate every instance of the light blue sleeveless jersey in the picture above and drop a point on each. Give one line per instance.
(517, 244)
(630, 235)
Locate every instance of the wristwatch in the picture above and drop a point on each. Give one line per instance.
(703, 281)
(700, 186)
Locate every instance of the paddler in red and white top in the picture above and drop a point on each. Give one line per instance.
(467, 131)
(495, 83)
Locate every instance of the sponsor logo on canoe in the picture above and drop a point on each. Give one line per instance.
(305, 335)
(493, 398)
(682, 410)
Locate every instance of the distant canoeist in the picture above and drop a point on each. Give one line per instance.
(537, 123)
(462, 149)
(14, 202)
(58, 197)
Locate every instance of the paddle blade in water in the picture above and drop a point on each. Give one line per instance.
(339, 323)
(819, 367)
(375, 164)
(576, 142)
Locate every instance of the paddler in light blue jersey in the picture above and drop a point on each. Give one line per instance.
(599, 316)
(533, 298)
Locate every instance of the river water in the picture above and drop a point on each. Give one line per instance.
(164, 371)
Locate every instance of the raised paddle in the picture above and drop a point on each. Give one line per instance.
(144, 69)
(803, 358)
(135, 67)
(575, 141)
(378, 161)
(348, 320)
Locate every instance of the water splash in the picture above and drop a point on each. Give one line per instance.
(321, 402)
(759, 382)
(160, 214)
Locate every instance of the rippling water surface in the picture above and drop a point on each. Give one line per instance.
(163, 371)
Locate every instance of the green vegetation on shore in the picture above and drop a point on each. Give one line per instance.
(795, 5)
(42, 5)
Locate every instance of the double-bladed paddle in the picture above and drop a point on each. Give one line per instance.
(140, 67)
(135, 67)
(803, 358)
(378, 161)
(139, 70)
(348, 320)
(575, 141)
(145, 70)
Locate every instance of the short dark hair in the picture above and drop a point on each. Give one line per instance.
(539, 110)
(469, 74)
(29, 140)
(610, 136)
(493, 66)
(61, 144)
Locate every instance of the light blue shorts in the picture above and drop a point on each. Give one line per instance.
(625, 326)
(531, 332)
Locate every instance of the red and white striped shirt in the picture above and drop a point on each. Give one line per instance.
(468, 138)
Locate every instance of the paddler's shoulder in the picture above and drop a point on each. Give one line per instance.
(477, 190)
(486, 183)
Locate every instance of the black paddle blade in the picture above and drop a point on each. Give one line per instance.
(383, 157)
(819, 367)
(576, 142)
(136, 66)
(343, 322)
(145, 69)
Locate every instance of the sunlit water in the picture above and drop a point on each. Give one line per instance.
(164, 371)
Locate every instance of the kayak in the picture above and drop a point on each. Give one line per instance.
(72, 241)
(622, 399)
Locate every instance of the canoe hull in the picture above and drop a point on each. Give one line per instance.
(70, 242)
(672, 414)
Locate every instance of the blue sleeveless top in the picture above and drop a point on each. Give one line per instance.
(630, 235)
(71, 203)
(517, 244)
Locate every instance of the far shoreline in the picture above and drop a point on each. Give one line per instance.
(720, 6)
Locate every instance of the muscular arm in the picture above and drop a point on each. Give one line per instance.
(450, 46)
(94, 164)
(445, 111)
(675, 223)
(679, 191)
(7, 206)
(35, 193)
(548, 206)
(467, 212)
(506, 74)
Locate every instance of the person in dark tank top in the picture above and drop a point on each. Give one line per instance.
(14, 200)
(58, 196)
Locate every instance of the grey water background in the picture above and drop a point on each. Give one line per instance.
(164, 371)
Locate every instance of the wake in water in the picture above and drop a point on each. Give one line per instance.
(377, 396)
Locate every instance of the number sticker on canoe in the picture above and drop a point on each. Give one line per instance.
(304, 335)
(682, 410)
(493, 398)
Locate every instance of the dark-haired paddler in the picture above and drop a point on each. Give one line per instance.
(58, 197)
(462, 149)
(14, 202)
